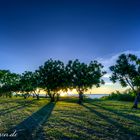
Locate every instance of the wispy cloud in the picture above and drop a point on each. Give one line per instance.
(109, 87)
(107, 75)
(109, 61)
(108, 83)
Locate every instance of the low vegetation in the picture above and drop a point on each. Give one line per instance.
(120, 96)
(94, 120)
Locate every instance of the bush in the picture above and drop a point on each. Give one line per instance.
(124, 96)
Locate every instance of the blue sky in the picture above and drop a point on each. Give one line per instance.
(32, 31)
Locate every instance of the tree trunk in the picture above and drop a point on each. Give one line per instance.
(37, 96)
(33, 95)
(80, 98)
(136, 101)
(16, 95)
(46, 95)
(52, 99)
(24, 96)
(10, 94)
(28, 95)
(6, 95)
(58, 97)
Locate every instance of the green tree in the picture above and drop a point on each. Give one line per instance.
(9, 82)
(127, 72)
(83, 77)
(26, 83)
(35, 84)
(29, 84)
(51, 77)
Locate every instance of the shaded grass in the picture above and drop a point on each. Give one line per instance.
(26, 131)
(16, 110)
(67, 120)
(114, 122)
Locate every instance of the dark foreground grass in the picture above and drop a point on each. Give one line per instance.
(66, 120)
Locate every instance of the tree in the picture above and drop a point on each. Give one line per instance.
(35, 85)
(127, 72)
(83, 77)
(9, 82)
(29, 84)
(51, 77)
(26, 82)
(3, 74)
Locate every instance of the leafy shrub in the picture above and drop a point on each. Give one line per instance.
(124, 96)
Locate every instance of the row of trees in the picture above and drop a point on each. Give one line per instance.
(52, 77)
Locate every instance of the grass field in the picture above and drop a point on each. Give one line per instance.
(66, 120)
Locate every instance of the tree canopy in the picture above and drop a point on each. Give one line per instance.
(126, 71)
(84, 76)
(51, 77)
(54, 76)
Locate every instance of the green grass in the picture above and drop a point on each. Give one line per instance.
(66, 120)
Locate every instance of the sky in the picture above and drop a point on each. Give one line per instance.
(32, 31)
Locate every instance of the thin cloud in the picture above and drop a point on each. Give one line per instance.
(107, 62)
(108, 83)
(107, 75)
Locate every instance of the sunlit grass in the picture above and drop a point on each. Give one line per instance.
(97, 120)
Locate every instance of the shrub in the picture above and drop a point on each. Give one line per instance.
(124, 96)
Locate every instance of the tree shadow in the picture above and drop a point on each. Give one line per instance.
(26, 129)
(17, 107)
(10, 100)
(127, 116)
(69, 100)
(81, 127)
(113, 122)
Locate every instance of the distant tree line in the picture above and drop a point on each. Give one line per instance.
(52, 77)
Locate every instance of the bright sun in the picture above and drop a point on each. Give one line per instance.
(62, 93)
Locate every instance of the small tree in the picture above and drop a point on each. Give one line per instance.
(9, 82)
(83, 77)
(29, 84)
(35, 85)
(26, 83)
(3, 75)
(127, 72)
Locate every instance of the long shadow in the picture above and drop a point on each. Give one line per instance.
(11, 100)
(127, 116)
(82, 135)
(69, 100)
(113, 122)
(17, 107)
(90, 131)
(31, 124)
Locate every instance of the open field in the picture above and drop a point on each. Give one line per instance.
(66, 120)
